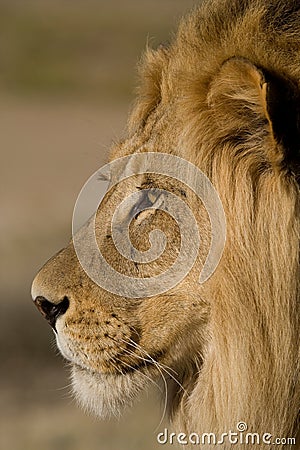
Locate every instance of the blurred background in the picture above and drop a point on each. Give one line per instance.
(67, 76)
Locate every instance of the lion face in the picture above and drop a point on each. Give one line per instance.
(117, 345)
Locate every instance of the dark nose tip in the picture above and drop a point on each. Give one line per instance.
(51, 311)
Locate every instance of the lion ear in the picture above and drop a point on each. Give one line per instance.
(283, 108)
(250, 103)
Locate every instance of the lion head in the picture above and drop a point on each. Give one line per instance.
(225, 97)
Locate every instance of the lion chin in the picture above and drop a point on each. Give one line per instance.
(105, 395)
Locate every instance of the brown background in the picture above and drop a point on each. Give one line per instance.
(67, 73)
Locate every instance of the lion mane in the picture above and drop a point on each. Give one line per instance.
(236, 67)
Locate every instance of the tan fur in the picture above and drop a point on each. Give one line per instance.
(233, 342)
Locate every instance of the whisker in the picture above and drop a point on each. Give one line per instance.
(135, 370)
(130, 353)
(156, 363)
(63, 388)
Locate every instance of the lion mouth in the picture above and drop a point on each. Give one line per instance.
(145, 363)
(119, 367)
(124, 361)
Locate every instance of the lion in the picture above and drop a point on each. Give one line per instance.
(224, 95)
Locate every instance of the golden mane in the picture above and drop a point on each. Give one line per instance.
(223, 57)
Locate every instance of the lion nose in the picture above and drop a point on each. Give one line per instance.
(51, 311)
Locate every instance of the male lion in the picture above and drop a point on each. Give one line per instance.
(225, 95)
